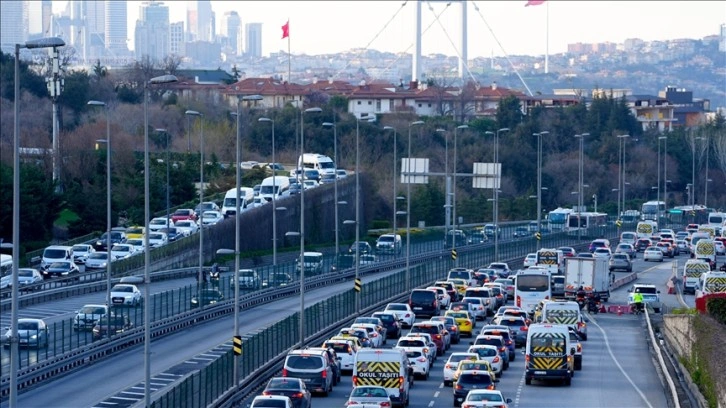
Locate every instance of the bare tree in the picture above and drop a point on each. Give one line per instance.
(171, 63)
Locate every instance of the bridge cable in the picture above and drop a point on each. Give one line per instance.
(456, 50)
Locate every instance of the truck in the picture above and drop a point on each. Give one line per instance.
(551, 259)
(593, 274)
(692, 271)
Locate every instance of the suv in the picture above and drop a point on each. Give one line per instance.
(463, 273)
(389, 244)
(333, 360)
(642, 244)
(311, 366)
(424, 302)
(248, 279)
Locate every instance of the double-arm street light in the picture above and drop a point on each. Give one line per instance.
(456, 129)
(51, 42)
(189, 113)
(408, 206)
(393, 180)
(495, 189)
(539, 182)
(447, 184)
(164, 79)
(335, 181)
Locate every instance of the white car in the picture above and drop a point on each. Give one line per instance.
(211, 218)
(186, 227)
(653, 254)
(431, 352)
(122, 251)
(125, 295)
(160, 222)
(720, 248)
(486, 398)
(81, 252)
(403, 313)
(346, 351)
(308, 184)
(443, 296)
(97, 260)
(157, 239)
(418, 343)
(88, 316)
(453, 363)
(500, 267)
(28, 277)
(138, 244)
(491, 354)
(373, 334)
(482, 306)
(529, 260)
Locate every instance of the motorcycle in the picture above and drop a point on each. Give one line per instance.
(581, 301)
(593, 306)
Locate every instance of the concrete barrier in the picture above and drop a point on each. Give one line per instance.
(624, 280)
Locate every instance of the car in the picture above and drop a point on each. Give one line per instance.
(501, 267)
(567, 251)
(464, 321)
(642, 244)
(276, 279)
(81, 252)
(602, 252)
(486, 398)
(424, 302)
(313, 367)
(363, 248)
(138, 244)
(369, 396)
(172, 234)
(357, 333)
(134, 232)
(496, 341)
(620, 261)
(206, 297)
(508, 285)
(438, 333)
(421, 344)
(346, 350)
(293, 388)
(389, 244)
(477, 237)
(483, 306)
(207, 206)
(87, 316)
(211, 217)
(117, 237)
(453, 363)
(431, 350)
(160, 222)
(443, 296)
(450, 289)
(122, 251)
(333, 361)
(418, 363)
(28, 278)
(507, 335)
(529, 260)
(521, 232)
(62, 269)
(271, 401)
(376, 338)
(651, 295)
(124, 294)
(627, 249)
(470, 380)
(683, 246)
(489, 231)
(599, 243)
(310, 183)
(485, 275)
(294, 188)
(666, 248)
(380, 327)
(390, 323)
(585, 255)
(501, 295)
(558, 286)
(341, 173)
(97, 260)
(156, 239)
(111, 325)
(461, 285)
(720, 248)
(403, 313)
(479, 365)
(186, 227)
(247, 279)
(517, 325)
(653, 254)
(451, 326)
(183, 214)
(31, 333)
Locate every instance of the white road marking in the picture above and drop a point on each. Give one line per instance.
(612, 356)
(520, 387)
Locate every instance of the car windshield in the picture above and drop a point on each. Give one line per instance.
(25, 273)
(492, 397)
(396, 307)
(92, 310)
(80, 248)
(27, 325)
(120, 288)
(369, 392)
(98, 255)
(284, 384)
(385, 318)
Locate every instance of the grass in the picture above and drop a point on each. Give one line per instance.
(66, 217)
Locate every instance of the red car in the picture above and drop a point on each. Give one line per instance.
(184, 214)
(567, 251)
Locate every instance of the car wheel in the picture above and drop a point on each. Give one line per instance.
(527, 381)
(578, 366)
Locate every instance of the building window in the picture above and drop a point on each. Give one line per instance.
(419, 105)
(370, 102)
(378, 105)
(390, 105)
(358, 102)
(429, 105)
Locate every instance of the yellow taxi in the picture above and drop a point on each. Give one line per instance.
(356, 341)
(461, 285)
(479, 365)
(135, 232)
(463, 321)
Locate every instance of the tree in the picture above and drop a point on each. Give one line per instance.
(509, 112)
(171, 63)
(29, 80)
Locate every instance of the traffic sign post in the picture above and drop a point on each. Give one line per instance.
(358, 285)
(237, 345)
(538, 235)
(453, 254)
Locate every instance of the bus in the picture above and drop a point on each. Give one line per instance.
(532, 285)
(653, 210)
(687, 214)
(716, 219)
(584, 221)
(630, 216)
(557, 219)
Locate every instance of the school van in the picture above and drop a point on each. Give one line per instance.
(567, 313)
(229, 205)
(387, 368)
(692, 271)
(705, 249)
(549, 353)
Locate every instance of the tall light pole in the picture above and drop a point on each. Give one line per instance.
(200, 275)
(335, 181)
(705, 186)
(166, 133)
(456, 129)
(692, 194)
(621, 173)
(393, 180)
(447, 183)
(357, 208)
(274, 197)
(164, 79)
(408, 206)
(665, 173)
(108, 201)
(580, 182)
(539, 182)
(51, 42)
(301, 174)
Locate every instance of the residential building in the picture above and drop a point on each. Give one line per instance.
(687, 111)
(176, 39)
(652, 112)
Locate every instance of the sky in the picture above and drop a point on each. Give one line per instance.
(499, 27)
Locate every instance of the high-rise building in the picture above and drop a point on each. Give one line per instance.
(200, 20)
(253, 40)
(230, 27)
(13, 24)
(176, 38)
(152, 31)
(115, 32)
(46, 12)
(722, 40)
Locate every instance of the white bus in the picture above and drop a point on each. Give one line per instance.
(653, 210)
(532, 285)
(557, 219)
(584, 221)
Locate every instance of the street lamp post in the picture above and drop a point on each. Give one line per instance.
(665, 173)
(447, 184)
(274, 197)
(164, 79)
(456, 221)
(393, 180)
(580, 182)
(200, 275)
(692, 194)
(168, 217)
(108, 201)
(495, 190)
(408, 206)
(705, 185)
(357, 209)
(621, 173)
(50, 42)
(335, 181)
(301, 174)
(539, 182)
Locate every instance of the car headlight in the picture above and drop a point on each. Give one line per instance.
(194, 300)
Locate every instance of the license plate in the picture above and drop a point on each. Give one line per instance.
(416, 308)
(307, 380)
(540, 372)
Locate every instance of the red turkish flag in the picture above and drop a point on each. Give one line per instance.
(534, 3)
(286, 30)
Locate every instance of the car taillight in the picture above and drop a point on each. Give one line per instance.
(502, 349)
(325, 373)
(523, 328)
(422, 359)
(453, 328)
(519, 301)
(448, 366)
(459, 387)
(438, 336)
(547, 297)
(385, 404)
(408, 315)
(490, 387)
(579, 348)
(266, 393)
(297, 395)
(526, 359)
(509, 342)
(374, 334)
(355, 381)
(468, 406)
(496, 359)
(426, 350)
(284, 372)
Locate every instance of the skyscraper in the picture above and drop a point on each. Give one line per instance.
(200, 20)
(722, 40)
(152, 31)
(115, 31)
(13, 24)
(253, 40)
(176, 38)
(230, 29)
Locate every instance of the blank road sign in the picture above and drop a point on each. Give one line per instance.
(486, 175)
(418, 166)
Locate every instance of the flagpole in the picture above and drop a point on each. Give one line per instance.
(289, 79)
(547, 40)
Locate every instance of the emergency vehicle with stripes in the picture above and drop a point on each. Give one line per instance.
(549, 353)
(692, 271)
(387, 368)
(712, 282)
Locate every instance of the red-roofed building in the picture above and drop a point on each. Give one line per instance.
(275, 93)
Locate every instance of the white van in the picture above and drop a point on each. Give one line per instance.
(56, 253)
(565, 312)
(229, 205)
(549, 353)
(628, 237)
(388, 368)
(706, 250)
(274, 186)
(6, 266)
(319, 162)
(692, 272)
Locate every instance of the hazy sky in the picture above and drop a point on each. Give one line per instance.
(319, 27)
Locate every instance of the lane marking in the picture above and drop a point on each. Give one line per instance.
(520, 388)
(612, 356)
